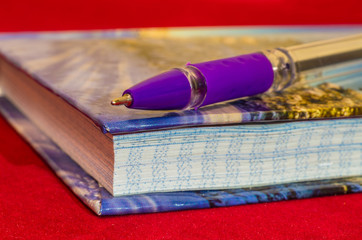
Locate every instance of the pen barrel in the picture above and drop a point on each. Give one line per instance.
(316, 62)
(206, 83)
(235, 77)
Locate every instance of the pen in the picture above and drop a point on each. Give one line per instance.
(200, 84)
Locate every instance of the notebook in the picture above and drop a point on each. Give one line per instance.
(98, 199)
(245, 143)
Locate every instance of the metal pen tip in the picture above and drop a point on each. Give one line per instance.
(126, 100)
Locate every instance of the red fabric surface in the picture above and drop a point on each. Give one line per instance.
(25, 15)
(35, 204)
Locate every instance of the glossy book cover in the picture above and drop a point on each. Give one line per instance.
(88, 69)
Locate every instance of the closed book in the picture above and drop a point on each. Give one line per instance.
(98, 199)
(63, 83)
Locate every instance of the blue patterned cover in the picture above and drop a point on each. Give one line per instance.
(102, 203)
(88, 69)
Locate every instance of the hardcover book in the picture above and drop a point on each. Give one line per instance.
(304, 139)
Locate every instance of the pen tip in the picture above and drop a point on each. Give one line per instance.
(126, 100)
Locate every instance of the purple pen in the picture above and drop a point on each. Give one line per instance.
(201, 84)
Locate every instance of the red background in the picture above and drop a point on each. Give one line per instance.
(25, 15)
(34, 202)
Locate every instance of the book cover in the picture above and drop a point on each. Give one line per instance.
(90, 69)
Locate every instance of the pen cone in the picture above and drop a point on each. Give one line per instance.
(169, 90)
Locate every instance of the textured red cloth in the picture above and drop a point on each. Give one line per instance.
(25, 15)
(35, 204)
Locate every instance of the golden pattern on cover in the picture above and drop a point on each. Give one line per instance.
(326, 100)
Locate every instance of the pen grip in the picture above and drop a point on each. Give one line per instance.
(236, 77)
